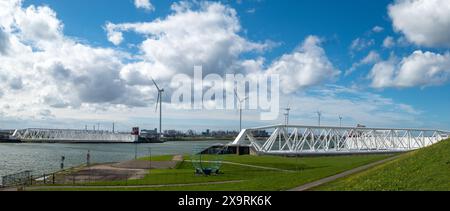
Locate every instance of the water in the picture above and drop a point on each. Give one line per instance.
(46, 158)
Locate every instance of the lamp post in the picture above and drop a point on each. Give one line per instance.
(288, 109)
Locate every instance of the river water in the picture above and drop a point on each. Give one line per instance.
(46, 158)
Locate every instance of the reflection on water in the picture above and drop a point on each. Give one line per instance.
(46, 158)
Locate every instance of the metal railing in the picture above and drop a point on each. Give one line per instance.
(21, 178)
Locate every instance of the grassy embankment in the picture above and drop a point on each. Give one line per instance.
(424, 169)
(292, 172)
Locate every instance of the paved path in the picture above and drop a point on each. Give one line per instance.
(320, 182)
(248, 165)
(130, 186)
(177, 158)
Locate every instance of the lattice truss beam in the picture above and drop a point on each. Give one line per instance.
(71, 135)
(309, 139)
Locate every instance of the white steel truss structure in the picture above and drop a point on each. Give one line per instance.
(297, 140)
(72, 136)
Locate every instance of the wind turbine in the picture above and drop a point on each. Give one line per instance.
(240, 101)
(159, 101)
(319, 114)
(288, 109)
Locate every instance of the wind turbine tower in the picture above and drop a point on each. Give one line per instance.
(159, 101)
(319, 114)
(240, 102)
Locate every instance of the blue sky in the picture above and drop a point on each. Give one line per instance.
(347, 31)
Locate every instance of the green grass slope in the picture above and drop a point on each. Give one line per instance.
(421, 170)
(297, 171)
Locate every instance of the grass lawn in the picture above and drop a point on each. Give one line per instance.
(424, 169)
(300, 171)
(158, 158)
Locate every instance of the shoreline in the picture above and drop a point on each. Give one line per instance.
(12, 141)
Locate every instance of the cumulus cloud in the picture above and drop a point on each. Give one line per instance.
(47, 74)
(306, 66)
(39, 24)
(40, 66)
(423, 22)
(144, 4)
(208, 36)
(419, 69)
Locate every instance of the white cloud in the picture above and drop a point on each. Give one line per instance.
(382, 74)
(377, 29)
(359, 44)
(388, 42)
(40, 68)
(4, 42)
(144, 4)
(114, 37)
(371, 58)
(46, 70)
(419, 69)
(39, 24)
(423, 22)
(208, 36)
(46, 75)
(306, 66)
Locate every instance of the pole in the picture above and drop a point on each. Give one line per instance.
(319, 114)
(113, 128)
(240, 118)
(88, 158)
(287, 118)
(135, 151)
(340, 121)
(160, 114)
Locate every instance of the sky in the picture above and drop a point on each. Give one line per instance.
(67, 64)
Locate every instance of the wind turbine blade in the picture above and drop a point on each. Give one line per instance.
(155, 84)
(236, 94)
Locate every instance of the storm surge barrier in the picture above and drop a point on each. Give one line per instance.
(304, 140)
(72, 136)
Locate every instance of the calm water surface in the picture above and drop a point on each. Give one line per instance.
(46, 158)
